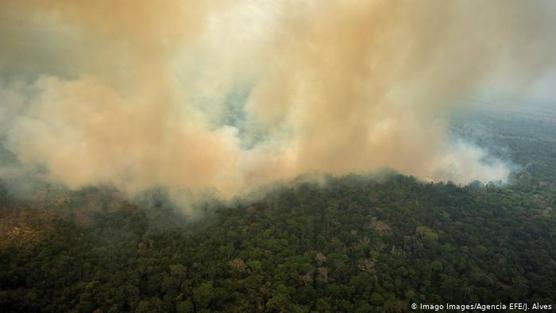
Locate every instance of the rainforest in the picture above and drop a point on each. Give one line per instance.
(277, 156)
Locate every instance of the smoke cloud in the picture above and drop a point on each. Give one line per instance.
(227, 95)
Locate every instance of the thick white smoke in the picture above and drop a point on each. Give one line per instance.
(231, 94)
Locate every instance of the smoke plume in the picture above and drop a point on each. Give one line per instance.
(224, 95)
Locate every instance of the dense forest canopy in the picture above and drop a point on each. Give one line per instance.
(276, 156)
(347, 244)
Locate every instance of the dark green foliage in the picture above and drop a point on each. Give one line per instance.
(353, 244)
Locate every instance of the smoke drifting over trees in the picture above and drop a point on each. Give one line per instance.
(232, 94)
